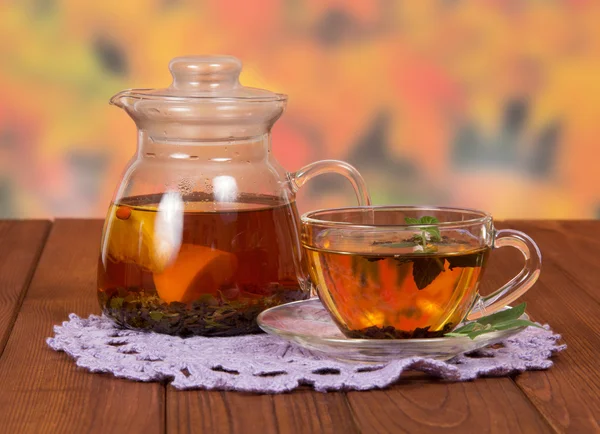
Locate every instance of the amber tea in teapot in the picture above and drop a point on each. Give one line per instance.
(203, 231)
(229, 267)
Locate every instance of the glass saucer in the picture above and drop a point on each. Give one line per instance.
(309, 325)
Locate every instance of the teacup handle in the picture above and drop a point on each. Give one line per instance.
(299, 178)
(519, 284)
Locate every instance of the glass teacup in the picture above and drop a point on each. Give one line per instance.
(394, 272)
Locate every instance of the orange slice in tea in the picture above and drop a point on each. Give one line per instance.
(197, 270)
(131, 238)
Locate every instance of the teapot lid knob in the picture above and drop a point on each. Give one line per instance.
(205, 73)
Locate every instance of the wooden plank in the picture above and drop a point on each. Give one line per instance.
(200, 411)
(567, 395)
(42, 390)
(21, 243)
(313, 412)
(233, 412)
(424, 406)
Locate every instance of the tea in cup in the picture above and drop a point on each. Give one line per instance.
(398, 272)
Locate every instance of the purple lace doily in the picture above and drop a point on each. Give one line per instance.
(268, 364)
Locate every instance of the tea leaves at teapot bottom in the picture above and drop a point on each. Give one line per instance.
(207, 316)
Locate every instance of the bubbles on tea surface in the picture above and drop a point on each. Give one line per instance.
(208, 187)
(463, 239)
(185, 186)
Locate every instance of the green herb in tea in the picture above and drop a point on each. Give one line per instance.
(429, 233)
(424, 241)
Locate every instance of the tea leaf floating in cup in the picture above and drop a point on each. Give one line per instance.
(425, 270)
(503, 320)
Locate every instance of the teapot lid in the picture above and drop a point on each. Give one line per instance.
(205, 91)
(208, 77)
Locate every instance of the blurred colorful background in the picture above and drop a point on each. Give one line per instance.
(486, 104)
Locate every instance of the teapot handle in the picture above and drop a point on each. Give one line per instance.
(299, 178)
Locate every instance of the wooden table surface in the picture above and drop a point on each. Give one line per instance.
(48, 270)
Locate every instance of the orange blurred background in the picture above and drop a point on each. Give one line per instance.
(486, 104)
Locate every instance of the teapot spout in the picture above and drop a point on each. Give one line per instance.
(122, 99)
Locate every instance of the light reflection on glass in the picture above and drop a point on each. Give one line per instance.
(168, 227)
(225, 188)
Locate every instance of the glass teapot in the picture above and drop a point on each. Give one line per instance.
(203, 231)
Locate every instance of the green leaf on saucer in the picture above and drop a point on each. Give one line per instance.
(516, 323)
(504, 320)
(503, 315)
